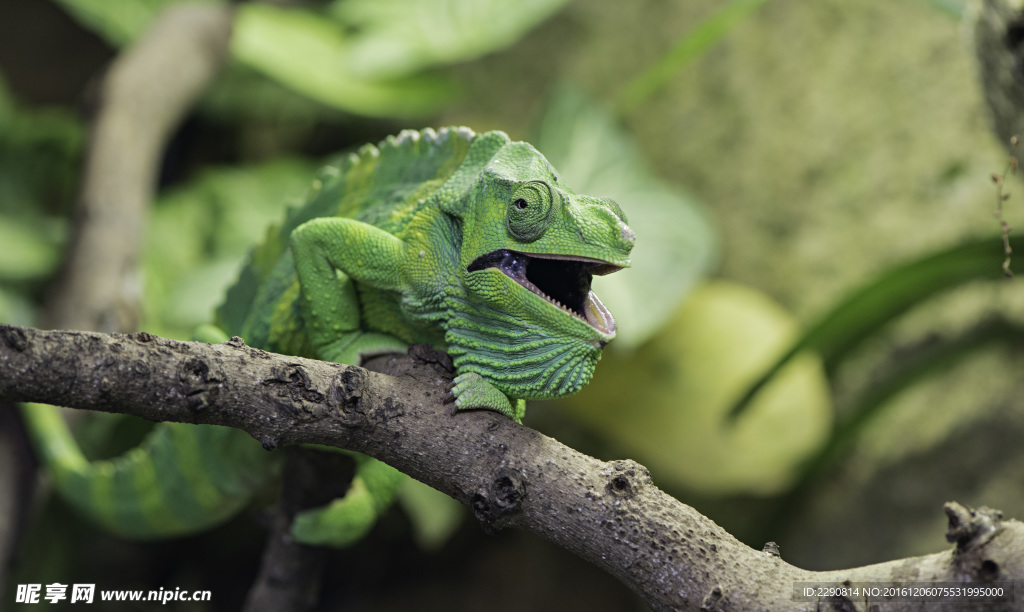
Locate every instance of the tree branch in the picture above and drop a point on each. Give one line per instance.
(290, 572)
(17, 485)
(609, 513)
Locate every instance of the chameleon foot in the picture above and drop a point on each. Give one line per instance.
(471, 392)
(356, 346)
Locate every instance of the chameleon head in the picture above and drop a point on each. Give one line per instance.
(530, 249)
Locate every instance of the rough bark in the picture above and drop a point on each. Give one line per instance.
(609, 513)
(17, 485)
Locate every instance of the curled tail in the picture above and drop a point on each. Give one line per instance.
(347, 519)
(181, 479)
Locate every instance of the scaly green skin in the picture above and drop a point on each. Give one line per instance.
(380, 259)
(180, 480)
(432, 237)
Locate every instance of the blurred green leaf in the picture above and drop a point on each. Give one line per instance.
(434, 515)
(363, 58)
(40, 155)
(311, 54)
(303, 50)
(400, 37)
(40, 151)
(15, 309)
(675, 243)
(891, 294)
(119, 21)
(265, 109)
(932, 356)
(199, 236)
(29, 251)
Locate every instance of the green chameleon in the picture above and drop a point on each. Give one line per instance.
(467, 242)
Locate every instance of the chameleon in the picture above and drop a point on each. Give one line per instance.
(467, 242)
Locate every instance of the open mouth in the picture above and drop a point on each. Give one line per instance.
(562, 280)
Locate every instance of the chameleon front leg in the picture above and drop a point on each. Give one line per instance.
(331, 255)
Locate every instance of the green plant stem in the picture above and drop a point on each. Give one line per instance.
(691, 45)
(891, 294)
(953, 8)
(925, 362)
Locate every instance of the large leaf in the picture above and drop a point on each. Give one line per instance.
(675, 243)
(399, 37)
(665, 404)
(311, 54)
(301, 49)
(119, 21)
(891, 294)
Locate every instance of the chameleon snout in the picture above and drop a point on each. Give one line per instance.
(602, 224)
(628, 236)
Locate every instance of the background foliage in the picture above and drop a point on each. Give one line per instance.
(788, 167)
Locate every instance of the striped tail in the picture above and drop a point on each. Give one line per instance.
(179, 480)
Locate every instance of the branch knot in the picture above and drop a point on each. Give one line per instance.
(294, 387)
(198, 384)
(503, 498)
(346, 392)
(626, 478)
(971, 528)
(14, 337)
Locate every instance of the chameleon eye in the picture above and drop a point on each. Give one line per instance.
(529, 211)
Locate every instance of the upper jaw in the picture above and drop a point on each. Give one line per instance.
(561, 280)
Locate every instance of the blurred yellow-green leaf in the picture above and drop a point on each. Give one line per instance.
(29, 251)
(400, 37)
(311, 54)
(665, 404)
